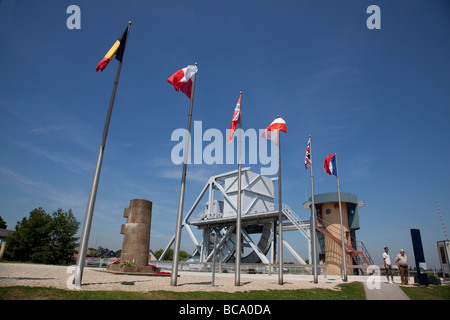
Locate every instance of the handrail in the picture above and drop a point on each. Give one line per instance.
(299, 224)
(366, 253)
(357, 247)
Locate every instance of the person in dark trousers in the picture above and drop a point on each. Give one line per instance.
(402, 263)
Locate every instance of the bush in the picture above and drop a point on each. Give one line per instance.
(431, 279)
(126, 264)
(434, 280)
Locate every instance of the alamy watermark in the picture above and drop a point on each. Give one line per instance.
(374, 21)
(374, 279)
(255, 149)
(74, 20)
(69, 282)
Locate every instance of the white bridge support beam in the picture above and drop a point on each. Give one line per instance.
(255, 248)
(257, 210)
(293, 252)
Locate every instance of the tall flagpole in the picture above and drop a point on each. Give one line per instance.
(442, 221)
(237, 275)
(280, 220)
(81, 261)
(342, 228)
(313, 216)
(176, 252)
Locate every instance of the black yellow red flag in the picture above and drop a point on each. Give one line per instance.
(116, 50)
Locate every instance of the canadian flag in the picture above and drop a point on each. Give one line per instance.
(276, 125)
(182, 79)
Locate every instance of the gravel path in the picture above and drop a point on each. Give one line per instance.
(12, 274)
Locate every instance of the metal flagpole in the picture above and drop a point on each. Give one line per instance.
(81, 261)
(342, 228)
(442, 221)
(237, 275)
(176, 251)
(313, 216)
(214, 258)
(280, 221)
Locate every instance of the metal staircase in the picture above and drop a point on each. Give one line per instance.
(355, 248)
(301, 225)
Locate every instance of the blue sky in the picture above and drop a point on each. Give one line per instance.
(380, 99)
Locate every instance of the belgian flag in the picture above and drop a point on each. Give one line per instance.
(116, 50)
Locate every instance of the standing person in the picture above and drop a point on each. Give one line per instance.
(402, 263)
(387, 265)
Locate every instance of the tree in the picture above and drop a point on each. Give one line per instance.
(63, 227)
(44, 238)
(169, 254)
(31, 236)
(2, 223)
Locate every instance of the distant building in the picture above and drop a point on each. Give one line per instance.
(444, 255)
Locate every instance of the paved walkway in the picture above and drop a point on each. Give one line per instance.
(385, 291)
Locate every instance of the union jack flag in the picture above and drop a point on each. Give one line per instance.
(308, 155)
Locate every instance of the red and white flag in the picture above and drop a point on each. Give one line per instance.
(182, 79)
(235, 120)
(273, 130)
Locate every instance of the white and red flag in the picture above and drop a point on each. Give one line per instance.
(235, 120)
(182, 79)
(273, 130)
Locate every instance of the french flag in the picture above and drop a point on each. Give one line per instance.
(330, 164)
(182, 79)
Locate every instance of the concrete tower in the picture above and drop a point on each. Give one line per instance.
(136, 240)
(329, 249)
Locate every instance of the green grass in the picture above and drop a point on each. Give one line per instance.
(432, 292)
(347, 291)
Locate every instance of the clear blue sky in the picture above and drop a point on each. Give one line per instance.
(378, 98)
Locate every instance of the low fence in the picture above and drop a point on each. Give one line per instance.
(99, 262)
(255, 268)
(363, 270)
